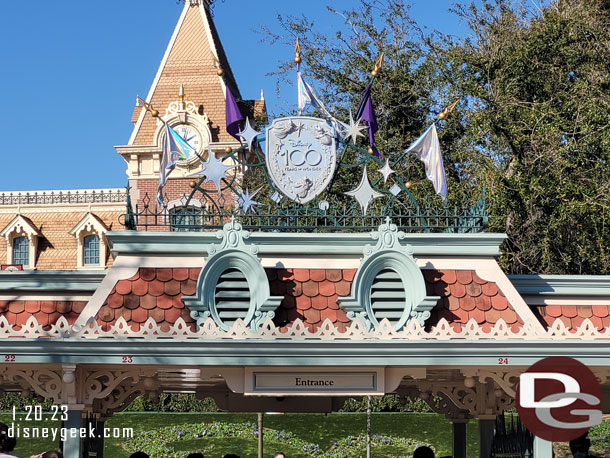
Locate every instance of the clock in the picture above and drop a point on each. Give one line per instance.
(190, 135)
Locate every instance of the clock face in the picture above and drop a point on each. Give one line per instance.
(190, 135)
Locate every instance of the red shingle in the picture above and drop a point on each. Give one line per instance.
(301, 275)
(164, 274)
(349, 274)
(147, 274)
(164, 301)
(123, 287)
(464, 276)
(181, 274)
(318, 275)
(32, 306)
(334, 275)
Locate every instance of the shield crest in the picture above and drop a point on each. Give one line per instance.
(301, 156)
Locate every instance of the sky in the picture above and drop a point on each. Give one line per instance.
(70, 72)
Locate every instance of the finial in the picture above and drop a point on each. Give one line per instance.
(262, 95)
(377, 67)
(447, 111)
(297, 52)
(219, 70)
(137, 100)
(154, 113)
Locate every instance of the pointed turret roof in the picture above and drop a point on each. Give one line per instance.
(189, 60)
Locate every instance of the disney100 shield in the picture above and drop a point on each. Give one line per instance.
(301, 156)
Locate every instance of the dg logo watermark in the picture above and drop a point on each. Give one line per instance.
(559, 399)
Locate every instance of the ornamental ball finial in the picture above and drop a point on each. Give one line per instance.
(154, 113)
(443, 115)
(297, 60)
(220, 71)
(228, 149)
(408, 185)
(374, 73)
(192, 184)
(370, 150)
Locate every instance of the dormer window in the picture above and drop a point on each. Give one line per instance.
(91, 245)
(22, 239)
(90, 240)
(21, 251)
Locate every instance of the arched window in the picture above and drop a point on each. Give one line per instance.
(21, 251)
(91, 247)
(184, 219)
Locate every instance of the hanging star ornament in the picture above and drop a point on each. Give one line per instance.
(246, 200)
(249, 134)
(213, 169)
(353, 130)
(386, 171)
(364, 192)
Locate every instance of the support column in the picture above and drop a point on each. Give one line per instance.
(486, 435)
(542, 448)
(459, 438)
(260, 435)
(100, 440)
(73, 424)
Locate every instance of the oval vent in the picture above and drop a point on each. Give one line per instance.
(232, 296)
(388, 296)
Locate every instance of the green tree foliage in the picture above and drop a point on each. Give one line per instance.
(537, 84)
(532, 125)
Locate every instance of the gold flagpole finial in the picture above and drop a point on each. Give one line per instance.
(219, 70)
(447, 111)
(154, 113)
(297, 52)
(378, 64)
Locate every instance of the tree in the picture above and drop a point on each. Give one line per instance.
(538, 91)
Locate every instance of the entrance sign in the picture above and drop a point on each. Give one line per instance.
(285, 383)
(301, 156)
(558, 399)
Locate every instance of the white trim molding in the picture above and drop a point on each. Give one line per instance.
(21, 227)
(90, 225)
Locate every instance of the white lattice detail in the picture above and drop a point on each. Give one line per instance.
(300, 331)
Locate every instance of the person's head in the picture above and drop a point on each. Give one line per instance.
(195, 455)
(580, 446)
(139, 455)
(279, 455)
(7, 443)
(52, 454)
(423, 452)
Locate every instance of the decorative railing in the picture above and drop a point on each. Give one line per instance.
(199, 215)
(78, 196)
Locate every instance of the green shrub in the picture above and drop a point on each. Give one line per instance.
(387, 403)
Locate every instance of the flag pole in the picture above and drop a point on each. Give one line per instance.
(374, 73)
(297, 55)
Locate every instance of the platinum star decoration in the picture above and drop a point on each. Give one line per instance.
(246, 200)
(214, 170)
(364, 192)
(386, 171)
(354, 129)
(249, 134)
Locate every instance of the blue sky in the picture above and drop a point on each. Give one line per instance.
(71, 70)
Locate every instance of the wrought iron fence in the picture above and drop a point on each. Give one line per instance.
(197, 215)
(511, 439)
(83, 196)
